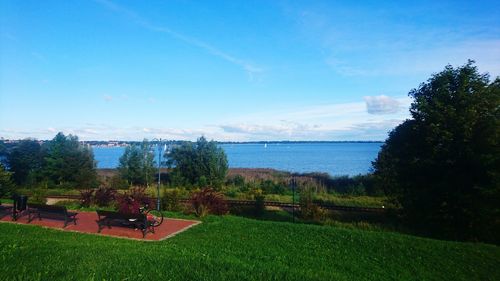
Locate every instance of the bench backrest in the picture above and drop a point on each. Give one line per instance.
(48, 208)
(121, 216)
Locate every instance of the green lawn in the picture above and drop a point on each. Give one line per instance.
(235, 248)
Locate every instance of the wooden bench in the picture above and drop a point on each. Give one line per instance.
(48, 211)
(5, 210)
(108, 218)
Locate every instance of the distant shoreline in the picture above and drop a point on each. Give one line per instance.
(119, 143)
(292, 142)
(126, 143)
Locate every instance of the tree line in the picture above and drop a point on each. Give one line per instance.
(200, 163)
(64, 162)
(61, 162)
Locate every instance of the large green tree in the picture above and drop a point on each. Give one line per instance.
(200, 163)
(137, 164)
(68, 162)
(25, 162)
(442, 165)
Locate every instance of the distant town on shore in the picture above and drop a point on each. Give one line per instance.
(119, 143)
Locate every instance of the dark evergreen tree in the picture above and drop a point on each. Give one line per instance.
(67, 162)
(25, 162)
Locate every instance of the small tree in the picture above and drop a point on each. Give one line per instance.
(137, 164)
(201, 163)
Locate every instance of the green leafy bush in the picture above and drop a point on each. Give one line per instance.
(117, 182)
(308, 209)
(170, 200)
(259, 205)
(38, 196)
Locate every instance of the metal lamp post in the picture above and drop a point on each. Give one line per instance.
(158, 143)
(293, 198)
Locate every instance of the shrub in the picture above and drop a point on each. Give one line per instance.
(132, 200)
(237, 180)
(6, 184)
(259, 205)
(127, 204)
(356, 190)
(139, 194)
(103, 196)
(231, 192)
(308, 209)
(208, 201)
(86, 197)
(170, 200)
(38, 196)
(272, 187)
(118, 182)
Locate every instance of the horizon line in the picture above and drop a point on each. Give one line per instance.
(218, 141)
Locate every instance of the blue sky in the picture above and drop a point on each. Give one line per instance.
(229, 70)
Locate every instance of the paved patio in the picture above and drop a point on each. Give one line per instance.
(86, 223)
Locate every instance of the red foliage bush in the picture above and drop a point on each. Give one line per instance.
(131, 201)
(103, 196)
(207, 201)
(86, 197)
(127, 204)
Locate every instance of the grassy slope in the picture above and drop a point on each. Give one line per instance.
(233, 248)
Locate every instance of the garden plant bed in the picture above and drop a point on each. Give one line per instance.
(86, 223)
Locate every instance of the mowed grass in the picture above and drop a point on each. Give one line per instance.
(235, 248)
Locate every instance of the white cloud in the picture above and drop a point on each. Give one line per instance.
(345, 121)
(381, 105)
(284, 128)
(107, 98)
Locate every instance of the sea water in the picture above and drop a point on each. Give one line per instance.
(346, 158)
